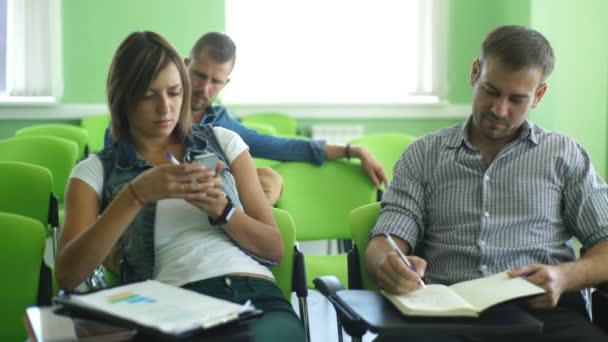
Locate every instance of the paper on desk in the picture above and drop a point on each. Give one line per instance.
(167, 308)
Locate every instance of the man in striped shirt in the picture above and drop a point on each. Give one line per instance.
(499, 193)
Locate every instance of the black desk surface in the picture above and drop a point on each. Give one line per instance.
(383, 318)
(44, 324)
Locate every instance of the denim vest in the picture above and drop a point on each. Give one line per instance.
(121, 164)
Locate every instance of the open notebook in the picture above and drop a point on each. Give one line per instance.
(468, 298)
(154, 306)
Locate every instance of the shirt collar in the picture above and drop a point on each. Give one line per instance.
(461, 136)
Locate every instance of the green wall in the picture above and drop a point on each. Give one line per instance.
(469, 21)
(92, 30)
(576, 102)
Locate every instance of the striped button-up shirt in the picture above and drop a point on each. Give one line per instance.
(470, 220)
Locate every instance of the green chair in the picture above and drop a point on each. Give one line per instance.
(261, 128)
(95, 125)
(361, 221)
(40, 203)
(77, 134)
(289, 274)
(284, 124)
(319, 198)
(58, 155)
(20, 259)
(266, 129)
(386, 147)
(36, 181)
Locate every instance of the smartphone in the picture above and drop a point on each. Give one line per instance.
(208, 160)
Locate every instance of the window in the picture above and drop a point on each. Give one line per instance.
(337, 52)
(31, 57)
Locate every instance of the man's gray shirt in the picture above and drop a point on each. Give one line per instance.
(468, 220)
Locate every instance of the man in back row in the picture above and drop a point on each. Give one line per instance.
(499, 193)
(210, 63)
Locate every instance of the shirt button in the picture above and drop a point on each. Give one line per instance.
(484, 267)
(486, 178)
(482, 243)
(486, 214)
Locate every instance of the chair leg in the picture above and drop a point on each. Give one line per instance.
(55, 238)
(303, 304)
(340, 337)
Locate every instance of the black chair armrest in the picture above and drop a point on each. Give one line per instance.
(299, 285)
(53, 211)
(599, 305)
(354, 271)
(328, 285)
(45, 285)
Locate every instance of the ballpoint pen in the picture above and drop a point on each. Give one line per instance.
(173, 160)
(401, 256)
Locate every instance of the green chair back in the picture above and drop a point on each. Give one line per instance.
(319, 198)
(95, 126)
(26, 190)
(23, 241)
(289, 273)
(283, 272)
(77, 134)
(261, 128)
(58, 155)
(361, 221)
(386, 147)
(284, 124)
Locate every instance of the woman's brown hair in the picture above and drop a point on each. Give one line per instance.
(136, 63)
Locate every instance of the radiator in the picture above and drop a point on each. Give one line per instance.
(336, 134)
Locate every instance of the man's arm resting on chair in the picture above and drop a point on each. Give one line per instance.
(588, 271)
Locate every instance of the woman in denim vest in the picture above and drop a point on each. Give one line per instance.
(209, 231)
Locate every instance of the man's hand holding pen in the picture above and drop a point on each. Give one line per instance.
(400, 274)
